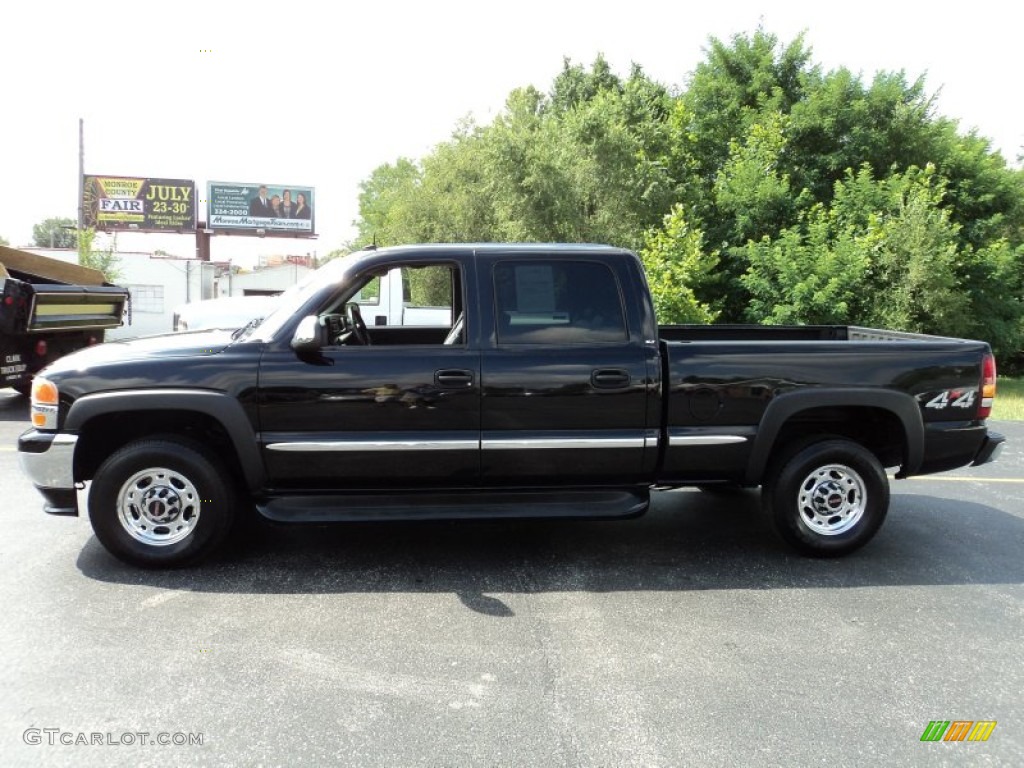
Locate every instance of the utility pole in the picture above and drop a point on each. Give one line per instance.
(81, 174)
(81, 188)
(202, 241)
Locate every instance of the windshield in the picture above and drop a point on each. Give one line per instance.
(292, 299)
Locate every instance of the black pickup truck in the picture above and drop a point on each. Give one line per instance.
(551, 392)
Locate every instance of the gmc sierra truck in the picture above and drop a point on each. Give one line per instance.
(551, 392)
(49, 308)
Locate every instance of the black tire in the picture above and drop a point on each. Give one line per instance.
(162, 503)
(827, 498)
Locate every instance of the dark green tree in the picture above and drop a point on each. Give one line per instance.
(677, 268)
(892, 233)
(103, 259)
(383, 199)
(574, 85)
(817, 196)
(55, 233)
(737, 83)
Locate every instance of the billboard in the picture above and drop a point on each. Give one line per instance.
(271, 209)
(142, 205)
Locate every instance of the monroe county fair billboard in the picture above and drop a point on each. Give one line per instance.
(142, 205)
(271, 209)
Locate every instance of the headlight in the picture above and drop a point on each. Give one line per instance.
(45, 400)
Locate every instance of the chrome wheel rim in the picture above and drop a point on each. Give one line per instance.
(158, 506)
(832, 500)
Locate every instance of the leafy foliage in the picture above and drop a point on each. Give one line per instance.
(428, 286)
(55, 233)
(809, 196)
(810, 273)
(677, 266)
(105, 260)
(890, 232)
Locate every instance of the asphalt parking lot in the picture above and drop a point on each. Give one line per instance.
(686, 637)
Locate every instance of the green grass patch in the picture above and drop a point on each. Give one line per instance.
(1009, 405)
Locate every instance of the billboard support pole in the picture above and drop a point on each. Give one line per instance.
(202, 241)
(81, 174)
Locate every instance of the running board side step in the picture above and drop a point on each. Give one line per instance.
(342, 507)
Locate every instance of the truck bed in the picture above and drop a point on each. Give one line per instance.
(721, 385)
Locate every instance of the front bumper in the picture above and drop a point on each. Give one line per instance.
(48, 460)
(990, 449)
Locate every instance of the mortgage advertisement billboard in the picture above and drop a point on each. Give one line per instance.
(113, 203)
(271, 209)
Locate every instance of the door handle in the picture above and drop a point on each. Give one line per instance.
(453, 377)
(609, 378)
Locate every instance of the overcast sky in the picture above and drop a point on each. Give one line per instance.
(316, 95)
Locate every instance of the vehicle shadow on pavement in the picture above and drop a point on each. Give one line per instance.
(688, 541)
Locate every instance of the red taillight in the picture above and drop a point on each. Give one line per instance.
(41, 348)
(988, 386)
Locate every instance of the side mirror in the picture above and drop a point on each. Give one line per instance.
(308, 335)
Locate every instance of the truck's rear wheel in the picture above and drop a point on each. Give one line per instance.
(161, 503)
(828, 498)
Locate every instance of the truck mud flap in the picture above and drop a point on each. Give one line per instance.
(990, 449)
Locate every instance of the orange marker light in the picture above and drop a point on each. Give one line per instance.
(44, 392)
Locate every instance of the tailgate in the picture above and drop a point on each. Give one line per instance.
(70, 307)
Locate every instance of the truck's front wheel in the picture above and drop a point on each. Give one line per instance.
(161, 503)
(828, 498)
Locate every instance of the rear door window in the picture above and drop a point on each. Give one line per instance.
(558, 302)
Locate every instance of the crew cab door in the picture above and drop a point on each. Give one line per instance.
(565, 377)
(402, 412)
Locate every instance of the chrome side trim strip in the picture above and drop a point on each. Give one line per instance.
(529, 443)
(513, 444)
(687, 440)
(329, 446)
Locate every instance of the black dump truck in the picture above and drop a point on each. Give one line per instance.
(550, 392)
(49, 309)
